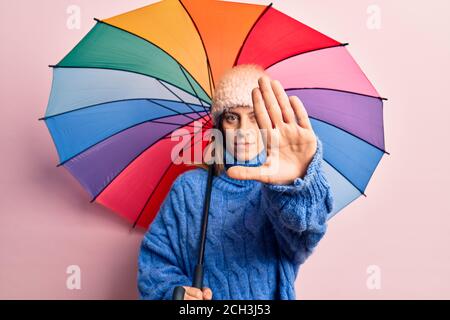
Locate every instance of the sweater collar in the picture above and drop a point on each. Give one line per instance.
(231, 161)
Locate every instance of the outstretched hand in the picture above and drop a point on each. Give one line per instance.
(287, 134)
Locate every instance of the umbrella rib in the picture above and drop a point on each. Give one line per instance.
(114, 101)
(154, 44)
(181, 100)
(187, 125)
(171, 123)
(250, 31)
(338, 90)
(362, 192)
(178, 135)
(359, 138)
(123, 70)
(203, 44)
(174, 110)
(150, 196)
(309, 51)
(193, 89)
(118, 132)
(128, 164)
(210, 77)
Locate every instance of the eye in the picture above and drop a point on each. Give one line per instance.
(231, 117)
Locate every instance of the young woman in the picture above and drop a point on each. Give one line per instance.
(268, 208)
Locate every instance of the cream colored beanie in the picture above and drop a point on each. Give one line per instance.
(235, 88)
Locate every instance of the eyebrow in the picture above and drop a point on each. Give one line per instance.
(252, 113)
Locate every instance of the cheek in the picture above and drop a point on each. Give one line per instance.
(228, 128)
(229, 136)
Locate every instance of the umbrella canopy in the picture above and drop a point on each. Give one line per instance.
(137, 77)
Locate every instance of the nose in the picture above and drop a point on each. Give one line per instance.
(244, 129)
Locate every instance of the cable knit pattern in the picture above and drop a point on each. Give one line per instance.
(258, 235)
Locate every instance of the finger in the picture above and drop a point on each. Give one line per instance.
(300, 112)
(207, 294)
(261, 115)
(283, 102)
(193, 293)
(270, 101)
(247, 173)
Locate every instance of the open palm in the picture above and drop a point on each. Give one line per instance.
(287, 134)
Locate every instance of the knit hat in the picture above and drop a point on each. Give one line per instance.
(235, 88)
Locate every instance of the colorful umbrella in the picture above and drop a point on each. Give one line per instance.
(134, 78)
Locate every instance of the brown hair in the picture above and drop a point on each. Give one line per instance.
(218, 150)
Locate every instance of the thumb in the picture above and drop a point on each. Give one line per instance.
(246, 173)
(207, 293)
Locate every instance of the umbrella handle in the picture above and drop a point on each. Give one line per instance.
(198, 277)
(178, 293)
(197, 282)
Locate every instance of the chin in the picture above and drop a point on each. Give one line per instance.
(246, 155)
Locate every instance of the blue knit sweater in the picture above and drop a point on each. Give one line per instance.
(258, 234)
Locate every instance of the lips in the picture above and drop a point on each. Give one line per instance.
(244, 144)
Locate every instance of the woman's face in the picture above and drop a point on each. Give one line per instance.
(242, 135)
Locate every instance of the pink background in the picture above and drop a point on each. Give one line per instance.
(403, 226)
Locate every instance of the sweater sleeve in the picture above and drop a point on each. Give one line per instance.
(160, 267)
(298, 212)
